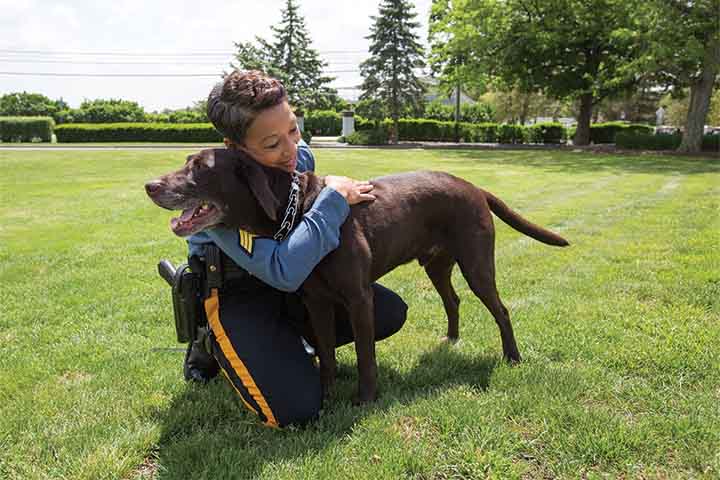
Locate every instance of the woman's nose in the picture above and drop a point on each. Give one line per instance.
(290, 147)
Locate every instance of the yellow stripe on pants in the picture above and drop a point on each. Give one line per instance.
(212, 309)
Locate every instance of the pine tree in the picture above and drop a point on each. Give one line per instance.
(388, 76)
(291, 59)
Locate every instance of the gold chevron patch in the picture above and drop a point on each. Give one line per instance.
(246, 241)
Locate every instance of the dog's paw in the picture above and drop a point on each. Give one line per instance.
(449, 340)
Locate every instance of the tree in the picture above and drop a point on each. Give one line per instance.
(108, 111)
(564, 48)
(683, 40)
(29, 104)
(388, 75)
(291, 59)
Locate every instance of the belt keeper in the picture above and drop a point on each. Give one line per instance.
(214, 267)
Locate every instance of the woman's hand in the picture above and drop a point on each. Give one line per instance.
(354, 191)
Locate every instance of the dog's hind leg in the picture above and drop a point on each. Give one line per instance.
(477, 263)
(439, 269)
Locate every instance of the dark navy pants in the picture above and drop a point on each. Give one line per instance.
(261, 353)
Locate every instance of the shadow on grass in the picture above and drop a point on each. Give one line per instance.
(207, 433)
(560, 162)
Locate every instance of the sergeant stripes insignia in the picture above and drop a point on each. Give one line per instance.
(246, 241)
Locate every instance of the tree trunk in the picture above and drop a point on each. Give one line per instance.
(700, 93)
(582, 133)
(525, 108)
(457, 113)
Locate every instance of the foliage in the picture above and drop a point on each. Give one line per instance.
(323, 122)
(564, 48)
(605, 132)
(372, 108)
(137, 132)
(388, 74)
(25, 104)
(414, 129)
(183, 115)
(683, 51)
(676, 108)
(291, 59)
(471, 113)
(26, 129)
(647, 141)
(108, 111)
(548, 133)
(374, 136)
(451, 61)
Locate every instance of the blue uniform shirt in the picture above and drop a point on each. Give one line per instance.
(284, 265)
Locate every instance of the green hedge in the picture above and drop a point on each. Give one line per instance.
(323, 123)
(605, 132)
(26, 129)
(549, 132)
(411, 129)
(644, 141)
(375, 136)
(138, 132)
(307, 136)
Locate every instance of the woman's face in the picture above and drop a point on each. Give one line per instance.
(272, 138)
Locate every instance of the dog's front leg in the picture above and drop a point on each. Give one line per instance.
(363, 323)
(322, 322)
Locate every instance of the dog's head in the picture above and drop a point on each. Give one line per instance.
(219, 186)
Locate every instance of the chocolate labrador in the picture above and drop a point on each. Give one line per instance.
(434, 217)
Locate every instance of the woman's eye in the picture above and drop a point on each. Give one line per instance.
(274, 145)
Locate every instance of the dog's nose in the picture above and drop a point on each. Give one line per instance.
(153, 187)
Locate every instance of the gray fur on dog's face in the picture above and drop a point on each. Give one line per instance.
(216, 186)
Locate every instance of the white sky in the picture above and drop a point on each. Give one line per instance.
(82, 30)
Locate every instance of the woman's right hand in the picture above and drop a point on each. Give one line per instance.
(354, 191)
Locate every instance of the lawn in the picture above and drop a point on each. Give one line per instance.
(620, 333)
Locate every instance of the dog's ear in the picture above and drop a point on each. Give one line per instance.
(260, 186)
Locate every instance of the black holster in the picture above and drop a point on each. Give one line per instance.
(186, 299)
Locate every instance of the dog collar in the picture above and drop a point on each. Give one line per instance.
(288, 221)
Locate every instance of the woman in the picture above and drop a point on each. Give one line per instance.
(253, 338)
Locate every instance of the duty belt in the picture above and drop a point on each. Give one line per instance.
(220, 270)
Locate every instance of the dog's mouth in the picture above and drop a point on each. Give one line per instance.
(196, 218)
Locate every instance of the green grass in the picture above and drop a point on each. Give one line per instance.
(620, 333)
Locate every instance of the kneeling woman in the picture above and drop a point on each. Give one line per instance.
(253, 315)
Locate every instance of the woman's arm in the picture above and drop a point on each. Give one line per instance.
(285, 265)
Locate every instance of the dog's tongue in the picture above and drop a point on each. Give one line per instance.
(177, 223)
(187, 214)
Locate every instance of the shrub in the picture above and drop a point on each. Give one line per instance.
(664, 141)
(481, 132)
(470, 113)
(711, 143)
(324, 123)
(510, 133)
(419, 129)
(26, 129)
(375, 136)
(138, 132)
(605, 132)
(307, 136)
(548, 133)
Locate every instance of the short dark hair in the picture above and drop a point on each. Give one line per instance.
(234, 103)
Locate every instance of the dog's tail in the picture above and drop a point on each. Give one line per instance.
(517, 222)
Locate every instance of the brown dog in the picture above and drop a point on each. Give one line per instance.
(433, 217)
